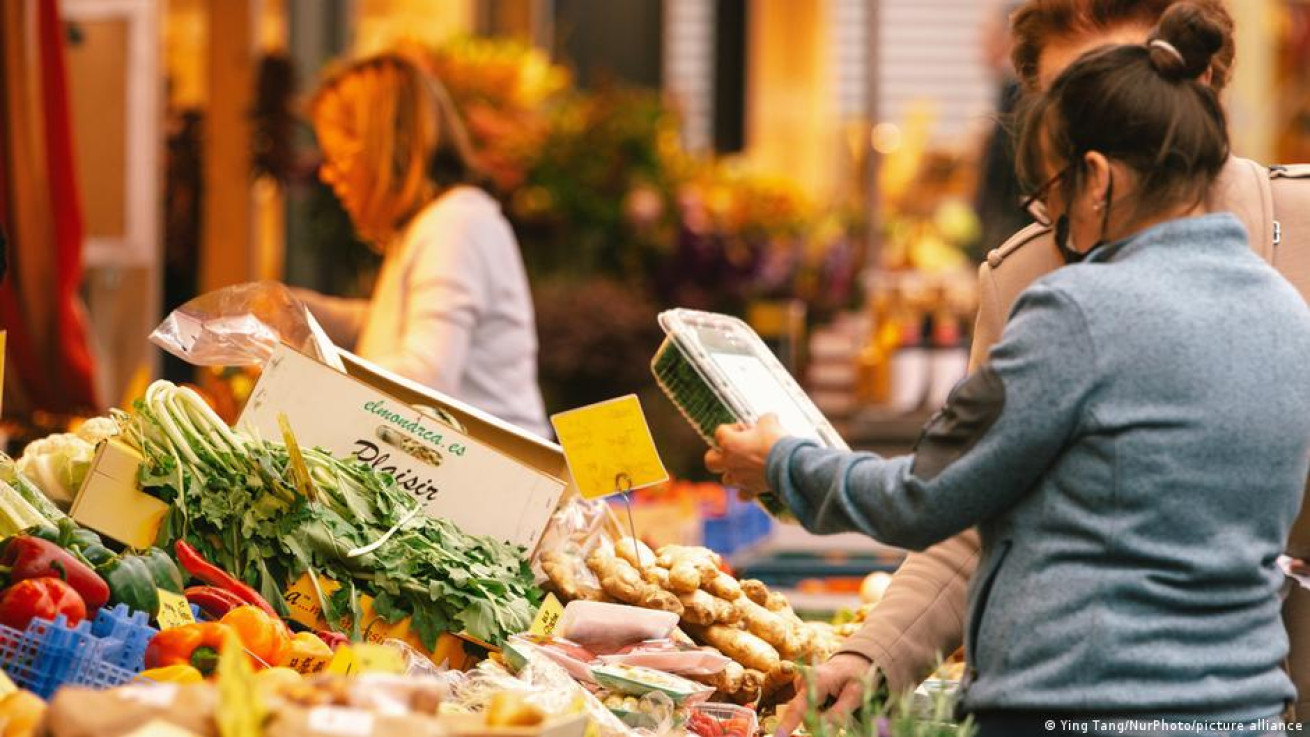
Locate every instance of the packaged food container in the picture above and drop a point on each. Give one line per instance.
(570, 656)
(716, 370)
(635, 681)
(642, 713)
(722, 720)
(604, 627)
(670, 657)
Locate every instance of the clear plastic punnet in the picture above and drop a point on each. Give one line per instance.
(717, 371)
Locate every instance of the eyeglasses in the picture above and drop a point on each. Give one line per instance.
(1035, 204)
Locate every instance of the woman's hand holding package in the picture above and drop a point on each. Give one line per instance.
(743, 453)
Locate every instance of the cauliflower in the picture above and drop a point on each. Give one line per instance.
(97, 429)
(57, 464)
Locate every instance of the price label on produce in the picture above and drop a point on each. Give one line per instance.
(174, 611)
(609, 448)
(309, 665)
(548, 617)
(370, 658)
(343, 661)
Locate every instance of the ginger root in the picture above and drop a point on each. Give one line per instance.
(561, 568)
(620, 579)
(635, 552)
(699, 608)
(737, 683)
(740, 645)
(723, 586)
(759, 593)
(684, 577)
(707, 561)
(655, 575)
(790, 639)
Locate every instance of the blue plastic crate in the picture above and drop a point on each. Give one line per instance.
(741, 525)
(48, 655)
(127, 633)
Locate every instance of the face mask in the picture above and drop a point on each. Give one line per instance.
(1064, 241)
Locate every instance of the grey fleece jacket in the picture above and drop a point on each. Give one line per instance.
(1134, 454)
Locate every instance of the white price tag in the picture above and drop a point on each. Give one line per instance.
(342, 721)
(161, 695)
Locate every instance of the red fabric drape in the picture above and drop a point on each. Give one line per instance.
(52, 369)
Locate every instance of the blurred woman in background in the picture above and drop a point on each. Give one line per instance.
(451, 308)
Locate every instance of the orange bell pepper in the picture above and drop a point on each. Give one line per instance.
(265, 638)
(197, 645)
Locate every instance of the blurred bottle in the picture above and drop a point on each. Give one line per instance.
(911, 366)
(949, 356)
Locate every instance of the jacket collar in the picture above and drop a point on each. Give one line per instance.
(1216, 228)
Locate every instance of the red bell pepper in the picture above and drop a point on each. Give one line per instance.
(212, 600)
(197, 566)
(40, 598)
(25, 557)
(332, 639)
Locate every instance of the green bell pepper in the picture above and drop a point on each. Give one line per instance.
(80, 541)
(131, 583)
(96, 554)
(163, 570)
(66, 534)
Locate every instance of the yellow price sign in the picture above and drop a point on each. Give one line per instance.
(370, 658)
(548, 617)
(343, 661)
(609, 448)
(310, 665)
(174, 611)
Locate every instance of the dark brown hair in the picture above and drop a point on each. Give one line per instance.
(1039, 22)
(1140, 105)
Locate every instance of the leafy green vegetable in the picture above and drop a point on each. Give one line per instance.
(234, 497)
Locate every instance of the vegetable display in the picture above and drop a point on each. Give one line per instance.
(241, 503)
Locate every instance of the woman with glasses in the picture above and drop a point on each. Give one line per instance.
(1135, 448)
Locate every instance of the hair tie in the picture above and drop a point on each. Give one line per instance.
(1160, 43)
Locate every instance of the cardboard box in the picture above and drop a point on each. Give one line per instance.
(487, 476)
(110, 502)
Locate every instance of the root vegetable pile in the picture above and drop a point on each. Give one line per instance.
(744, 620)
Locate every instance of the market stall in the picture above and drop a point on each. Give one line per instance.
(328, 566)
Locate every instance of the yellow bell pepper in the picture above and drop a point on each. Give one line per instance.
(172, 674)
(306, 647)
(21, 712)
(276, 678)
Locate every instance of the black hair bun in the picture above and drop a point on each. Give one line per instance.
(1185, 42)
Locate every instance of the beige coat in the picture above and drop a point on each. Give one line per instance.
(921, 617)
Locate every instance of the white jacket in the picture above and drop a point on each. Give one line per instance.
(451, 310)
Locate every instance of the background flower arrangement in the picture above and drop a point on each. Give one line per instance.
(617, 221)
